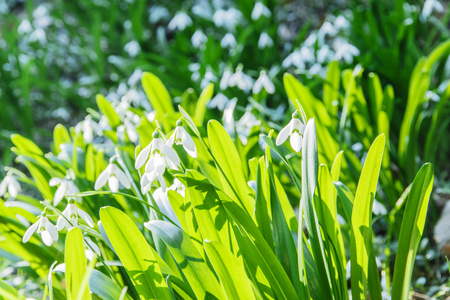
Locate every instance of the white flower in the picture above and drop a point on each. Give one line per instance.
(219, 101)
(163, 203)
(263, 81)
(345, 51)
(65, 187)
(24, 27)
(227, 19)
(324, 54)
(265, 41)
(178, 187)
(132, 48)
(245, 125)
(180, 22)
(224, 82)
(260, 10)
(71, 213)
(228, 41)
(208, 78)
(294, 130)
(294, 59)
(241, 80)
(326, 29)
(341, 23)
(159, 155)
(181, 137)
(431, 5)
(11, 185)
(198, 39)
(113, 176)
(45, 228)
(133, 135)
(228, 118)
(88, 127)
(158, 13)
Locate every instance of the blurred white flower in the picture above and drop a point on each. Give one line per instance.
(65, 187)
(341, 23)
(180, 22)
(219, 101)
(10, 185)
(260, 10)
(245, 125)
(71, 213)
(265, 41)
(38, 35)
(345, 51)
(307, 54)
(159, 155)
(294, 59)
(327, 29)
(224, 82)
(198, 39)
(430, 6)
(324, 54)
(135, 77)
(228, 118)
(208, 78)
(310, 40)
(88, 127)
(228, 41)
(158, 13)
(24, 27)
(263, 81)
(241, 80)
(181, 137)
(113, 176)
(41, 17)
(45, 228)
(163, 203)
(227, 19)
(132, 133)
(132, 48)
(294, 129)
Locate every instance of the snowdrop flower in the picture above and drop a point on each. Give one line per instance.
(88, 127)
(180, 22)
(11, 185)
(163, 203)
(24, 27)
(227, 18)
(245, 125)
(341, 23)
(307, 54)
(224, 82)
(159, 156)
(294, 59)
(316, 69)
(45, 228)
(208, 78)
(265, 41)
(326, 29)
(294, 130)
(263, 81)
(69, 218)
(38, 35)
(324, 54)
(346, 52)
(241, 80)
(113, 176)
(132, 48)
(198, 39)
(429, 6)
(131, 131)
(65, 187)
(260, 10)
(228, 41)
(135, 77)
(219, 101)
(181, 137)
(158, 13)
(178, 187)
(228, 118)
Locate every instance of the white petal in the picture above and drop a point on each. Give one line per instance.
(46, 238)
(269, 86)
(61, 223)
(12, 189)
(150, 165)
(123, 179)
(171, 139)
(102, 179)
(52, 230)
(189, 145)
(54, 181)
(30, 232)
(59, 195)
(283, 135)
(113, 184)
(257, 87)
(3, 186)
(86, 217)
(297, 124)
(145, 189)
(142, 157)
(171, 154)
(296, 142)
(162, 182)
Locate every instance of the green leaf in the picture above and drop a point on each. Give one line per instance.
(107, 109)
(230, 272)
(25, 146)
(200, 277)
(361, 220)
(157, 94)
(230, 166)
(75, 260)
(411, 231)
(9, 292)
(200, 108)
(139, 259)
(105, 287)
(347, 199)
(60, 136)
(331, 88)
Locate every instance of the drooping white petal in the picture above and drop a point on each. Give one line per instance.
(86, 217)
(102, 179)
(55, 181)
(171, 155)
(298, 125)
(150, 165)
(142, 157)
(257, 87)
(61, 223)
(123, 179)
(171, 139)
(188, 143)
(269, 86)
(30, 231)
(162, 182)
(113, 184)
(3, 186)
(13, 187)
(52, 230)
(47, 238)
(60, 192)
(296, 141)
(283, 135)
